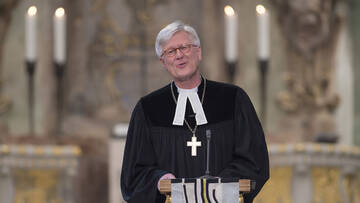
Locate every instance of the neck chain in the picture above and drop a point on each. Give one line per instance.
(202, 101)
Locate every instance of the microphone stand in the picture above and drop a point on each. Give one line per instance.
(207, 172)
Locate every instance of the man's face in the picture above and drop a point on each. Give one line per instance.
(182, 66)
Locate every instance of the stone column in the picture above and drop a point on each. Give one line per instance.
(355, 33)
(6, 184)
(116, 153)
(344, 83)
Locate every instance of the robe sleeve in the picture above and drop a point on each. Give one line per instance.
(140, 174)
(250, 156)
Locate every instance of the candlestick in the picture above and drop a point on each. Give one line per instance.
(59, 69)
(30, 70)
(60, 36)
(30, 60)
(263, 32)
(230, 34)
(263, 68)
(30, 34)
(263, 55)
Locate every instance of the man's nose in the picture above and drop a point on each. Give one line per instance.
(178, 53)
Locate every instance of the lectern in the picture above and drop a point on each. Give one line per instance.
(206, 189)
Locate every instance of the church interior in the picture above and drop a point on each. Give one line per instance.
(71, 72)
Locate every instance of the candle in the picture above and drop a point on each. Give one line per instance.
(60, 36)
(30, 34)
(230, 34)
(263, 32)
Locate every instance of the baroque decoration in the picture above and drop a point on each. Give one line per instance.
(280, 181)
(6, 7)
(35, 186)
(326, 185)
(115, 45)
(311, 28)
(312, 173)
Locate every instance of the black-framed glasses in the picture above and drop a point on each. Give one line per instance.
(183, 49)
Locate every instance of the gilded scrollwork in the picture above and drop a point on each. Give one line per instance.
(36, 186)
(280, 180)
(352, 185)
(326, 182)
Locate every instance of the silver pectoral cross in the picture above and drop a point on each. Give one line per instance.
(193, 144)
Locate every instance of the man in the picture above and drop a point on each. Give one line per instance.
(166, 136)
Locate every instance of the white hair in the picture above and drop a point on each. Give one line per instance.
(167, 32)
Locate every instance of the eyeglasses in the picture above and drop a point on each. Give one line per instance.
(183, 49)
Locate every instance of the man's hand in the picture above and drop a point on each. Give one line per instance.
(166, 176)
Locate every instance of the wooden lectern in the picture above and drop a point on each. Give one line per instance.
(245, 186)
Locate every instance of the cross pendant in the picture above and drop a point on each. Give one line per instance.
(193, 144)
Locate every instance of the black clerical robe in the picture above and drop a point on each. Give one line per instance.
(154, 146)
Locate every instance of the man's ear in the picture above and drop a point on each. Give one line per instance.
(200, 54)
(163, 62)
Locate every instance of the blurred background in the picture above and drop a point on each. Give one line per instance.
(71, 73)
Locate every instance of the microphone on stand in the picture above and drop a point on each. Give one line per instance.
(207, 172)
(208, 138)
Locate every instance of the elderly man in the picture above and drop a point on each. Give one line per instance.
(167, 132)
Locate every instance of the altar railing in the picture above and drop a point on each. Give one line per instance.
(38, 173)
(312, 173)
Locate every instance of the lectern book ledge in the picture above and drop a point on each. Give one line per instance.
(245, 185)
